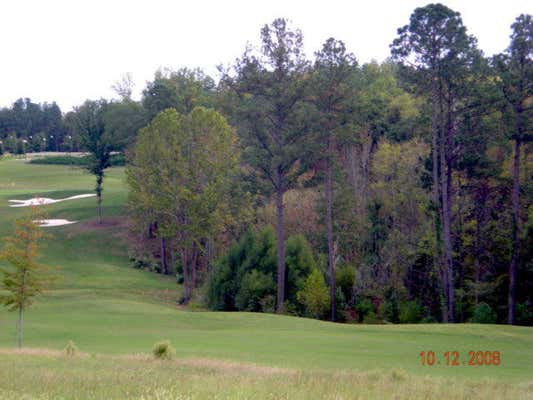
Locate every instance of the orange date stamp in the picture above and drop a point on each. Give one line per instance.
(453, 358)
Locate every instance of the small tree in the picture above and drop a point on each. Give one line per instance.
(26, 279)
(90, 125)
(314, 294)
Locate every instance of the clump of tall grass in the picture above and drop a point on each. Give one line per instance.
(71, 349)
(163, 350)
(399, 375)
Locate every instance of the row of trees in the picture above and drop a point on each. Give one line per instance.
(398, 172)
(27, 126)
(410, 180)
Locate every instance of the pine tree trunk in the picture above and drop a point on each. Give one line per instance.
(19, 328)
(516, 236)
(280, 247)
(438, 259)
(329, 218)
(445, 175)
(187, 292)
(164, 265)
(99, 189)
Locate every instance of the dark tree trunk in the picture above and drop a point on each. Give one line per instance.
(99, 189)
(164, 265)
(19, 328)
(516, 236)
(446, 181)
(280, 247)
(438, 260)
(187, 290)
(481, 200)
(194, 266)
(329, 219)
(445, 187)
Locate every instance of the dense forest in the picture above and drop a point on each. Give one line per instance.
(392, 192)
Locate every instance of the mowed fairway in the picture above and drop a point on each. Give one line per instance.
(112, 311)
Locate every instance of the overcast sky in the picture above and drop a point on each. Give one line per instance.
(71, 50)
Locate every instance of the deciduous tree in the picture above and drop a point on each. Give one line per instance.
(25, 278)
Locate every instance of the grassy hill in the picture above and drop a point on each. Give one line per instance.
(114, 312)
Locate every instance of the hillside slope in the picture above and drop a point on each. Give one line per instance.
(105, 306)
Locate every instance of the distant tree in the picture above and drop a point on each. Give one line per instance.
(124, 87)
(271, 89)
(515, 68)
(123, 119)
(90, 125)
(182, 90)
(26, 278)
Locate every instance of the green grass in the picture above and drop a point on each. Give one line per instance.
(108, 308)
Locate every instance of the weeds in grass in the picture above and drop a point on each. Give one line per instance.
(164, 350)
(71, 349)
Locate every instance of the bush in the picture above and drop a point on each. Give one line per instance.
(268, 303)
(70, 349)
(392, 311)
(245, 277)
(524, 314)
(163, 350)
(61, 160)
(299, 262)
(314, 295)
(144, 261)
(484, 314)
(255, 286)
(344, 279)
(363, 307)
(411, 312)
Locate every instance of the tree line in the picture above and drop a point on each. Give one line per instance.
(398, 191)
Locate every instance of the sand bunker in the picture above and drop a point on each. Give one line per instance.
(40, 201)
(54, 222)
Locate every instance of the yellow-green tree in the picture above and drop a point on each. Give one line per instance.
(181, 176)
(314, 294)
(25, 278)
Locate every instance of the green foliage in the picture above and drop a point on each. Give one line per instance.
(180, 176)
(363, 307)
(411, 312)
(484, 314)
(299, 262)
(255, 251)
(26, 278)
(524, 314)
(244, 278)
(254, 289)
(182, 90)
(314, 295)
(392, 309)
(163, 350)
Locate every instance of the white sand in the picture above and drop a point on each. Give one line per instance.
(39, 201)
(54, 222)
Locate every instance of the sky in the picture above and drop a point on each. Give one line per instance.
(72, 50)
